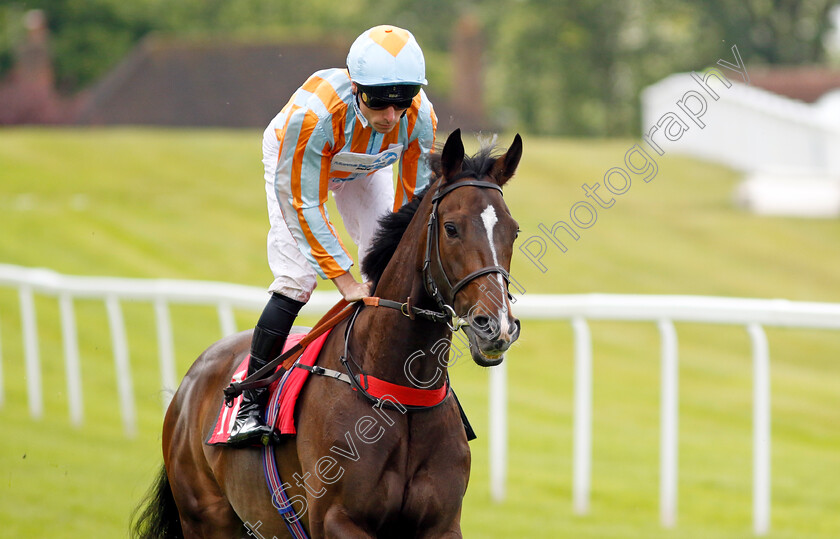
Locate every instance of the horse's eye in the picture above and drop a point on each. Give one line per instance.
(450, 229)
(517, 234)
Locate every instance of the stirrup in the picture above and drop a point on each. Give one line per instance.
(263, 435)
(272, 437)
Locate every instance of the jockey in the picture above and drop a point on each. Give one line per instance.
(340, 132)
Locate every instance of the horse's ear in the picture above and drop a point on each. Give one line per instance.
(506, 165)
(452, 157)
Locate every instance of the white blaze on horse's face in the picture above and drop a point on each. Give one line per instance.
(489, 220)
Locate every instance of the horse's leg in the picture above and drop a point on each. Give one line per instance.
(240, 471)
(205, 512)
(214, 521)
(453, 531)
(337, 524)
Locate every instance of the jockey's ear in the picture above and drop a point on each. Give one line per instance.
(506, 165)
(452, 157)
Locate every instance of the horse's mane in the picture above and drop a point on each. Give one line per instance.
(393, 225)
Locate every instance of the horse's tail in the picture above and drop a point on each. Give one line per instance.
(157, 515)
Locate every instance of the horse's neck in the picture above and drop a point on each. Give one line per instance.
(395, 344)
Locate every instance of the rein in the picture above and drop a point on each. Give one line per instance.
(389, 395)
(262, 378)
(266, 375)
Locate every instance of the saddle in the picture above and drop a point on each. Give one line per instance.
(288, 387)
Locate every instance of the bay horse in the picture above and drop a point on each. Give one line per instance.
(353, 469)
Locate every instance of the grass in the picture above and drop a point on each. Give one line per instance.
(189, 204)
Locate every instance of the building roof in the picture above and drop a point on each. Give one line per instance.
(805, 83)
(219, 84)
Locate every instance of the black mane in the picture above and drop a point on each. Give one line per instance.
(393, 225)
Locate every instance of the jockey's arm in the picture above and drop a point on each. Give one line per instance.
(350, 288)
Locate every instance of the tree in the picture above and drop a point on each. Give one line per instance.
(772, 31)
(576, 68)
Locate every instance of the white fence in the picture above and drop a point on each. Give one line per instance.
(160, 292)
(754, 314)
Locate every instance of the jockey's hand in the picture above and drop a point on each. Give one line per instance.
(350, 288)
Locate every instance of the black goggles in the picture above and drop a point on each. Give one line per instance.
(398, 96)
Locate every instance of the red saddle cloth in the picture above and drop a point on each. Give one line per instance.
(292, 383)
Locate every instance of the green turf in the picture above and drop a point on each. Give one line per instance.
(190, 204)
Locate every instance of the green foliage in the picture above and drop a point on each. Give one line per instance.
(578, 68)
(87, 38)
(11, 33)
(772, 31)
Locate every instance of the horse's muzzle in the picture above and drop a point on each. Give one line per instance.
(490, 339)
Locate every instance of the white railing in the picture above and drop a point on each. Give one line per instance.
(754, 314)
(160, 292)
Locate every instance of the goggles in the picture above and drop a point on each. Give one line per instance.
(398, 96)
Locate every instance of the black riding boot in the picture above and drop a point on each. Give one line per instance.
(267, 343)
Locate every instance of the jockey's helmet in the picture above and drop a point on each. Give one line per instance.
(387, 56)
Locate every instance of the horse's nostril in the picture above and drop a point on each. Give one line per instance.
(481, 321)
(484, 325)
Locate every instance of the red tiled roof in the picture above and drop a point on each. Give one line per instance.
(800, 82)
(176, 83)
(203, 84)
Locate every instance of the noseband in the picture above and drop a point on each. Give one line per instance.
(432, 236)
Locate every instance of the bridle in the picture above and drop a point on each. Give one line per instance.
(447, 314)
(445, 303)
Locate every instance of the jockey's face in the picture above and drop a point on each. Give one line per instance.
(381, 120)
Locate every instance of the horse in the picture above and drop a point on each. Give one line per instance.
(354, 469)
